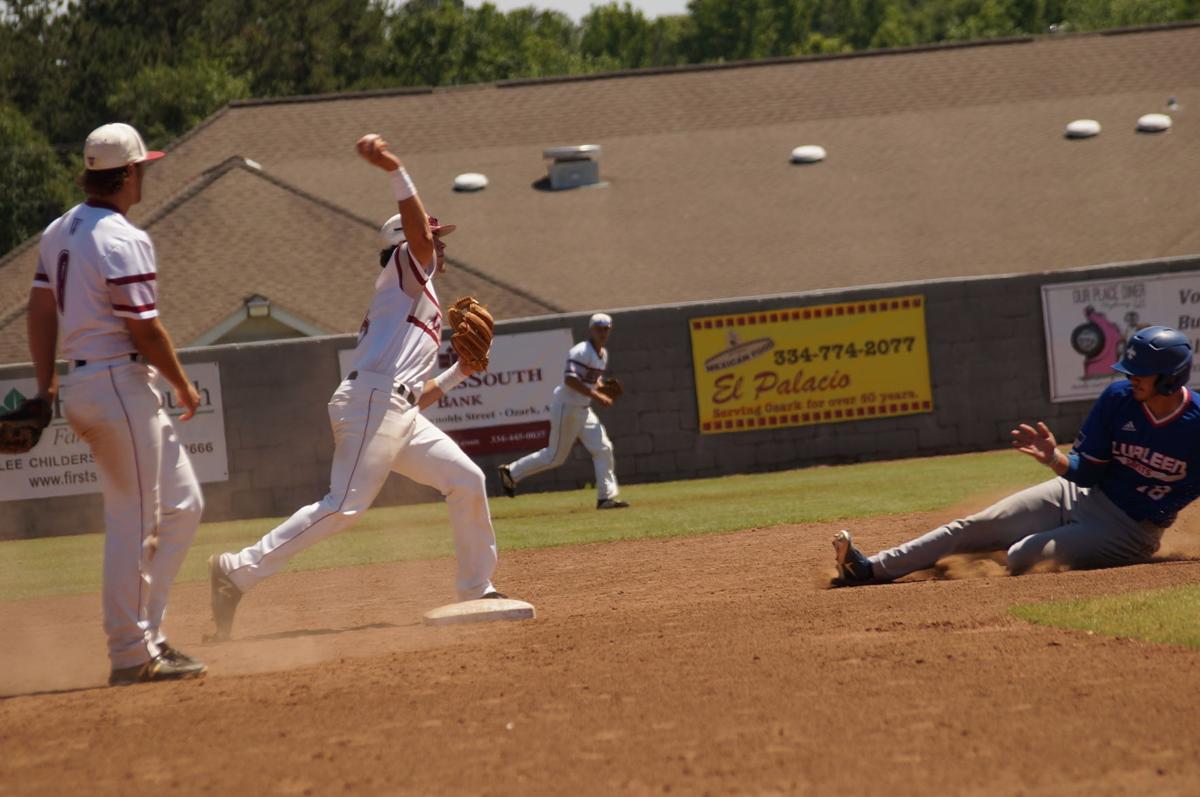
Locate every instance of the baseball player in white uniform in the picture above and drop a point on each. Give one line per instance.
(572, 418)
(376, 416)
(96, 290)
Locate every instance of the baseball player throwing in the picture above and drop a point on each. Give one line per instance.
(96, 290)
(1134, 467)
(375, 414)
(571, 418)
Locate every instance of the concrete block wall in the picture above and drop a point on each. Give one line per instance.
(987, 365)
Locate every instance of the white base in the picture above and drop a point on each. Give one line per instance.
(480, 611)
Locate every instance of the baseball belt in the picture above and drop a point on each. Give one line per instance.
(402, 390)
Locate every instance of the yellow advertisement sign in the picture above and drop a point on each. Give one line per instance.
(808, 365)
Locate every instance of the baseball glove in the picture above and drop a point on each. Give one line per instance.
(612, 387)
(472, 332)
(21, 428)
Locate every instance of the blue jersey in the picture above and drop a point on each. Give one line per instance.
(1147, 466)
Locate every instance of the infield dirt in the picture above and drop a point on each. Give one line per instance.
(716, 664)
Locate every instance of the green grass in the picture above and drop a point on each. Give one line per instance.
(71, 565)
(1171, 616)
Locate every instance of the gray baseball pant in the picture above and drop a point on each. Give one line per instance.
(1055, 521)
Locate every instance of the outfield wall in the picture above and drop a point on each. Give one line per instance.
(988, 371)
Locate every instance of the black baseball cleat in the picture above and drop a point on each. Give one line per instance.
(494, 595)
(175, 655)
(854, 569)
(506, 481)
(225, 598)
(611, 503)
(159, 668)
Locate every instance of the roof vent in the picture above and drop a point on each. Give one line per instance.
(573, 167)
(809, 153)
(1083, 128)
(470, 181)
(1154, 123)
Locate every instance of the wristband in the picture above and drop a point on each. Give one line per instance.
(402, 185)
(449, 379)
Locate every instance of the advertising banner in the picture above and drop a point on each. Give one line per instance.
(1087, 324)
(62, 464)
(507, 408)
(809, 365)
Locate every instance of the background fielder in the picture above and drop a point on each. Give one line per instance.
(375, 415)
(1134, 467)
(96, 290)
(572, 418)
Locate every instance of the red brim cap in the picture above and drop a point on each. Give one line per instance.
(442, 229)
(152, 155)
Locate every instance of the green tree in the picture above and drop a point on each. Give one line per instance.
(164, 102)
(36, 185)
(620, 35)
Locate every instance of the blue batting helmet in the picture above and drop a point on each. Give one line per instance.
(1161, 351)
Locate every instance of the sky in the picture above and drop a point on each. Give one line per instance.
(576, 9)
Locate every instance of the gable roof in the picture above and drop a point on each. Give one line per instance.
(943, 161)
(236, 231)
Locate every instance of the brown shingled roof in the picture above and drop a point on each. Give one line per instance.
(942, 161)
(236, 232)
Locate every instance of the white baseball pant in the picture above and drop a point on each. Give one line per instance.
(1056, 520)
(375, 432)
(568, 423)
(152, 500)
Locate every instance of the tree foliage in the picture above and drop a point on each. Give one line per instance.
(67, 66)
(36, 184)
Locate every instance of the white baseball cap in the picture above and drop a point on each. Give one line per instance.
(115, 145)
(392, 231)
(601, 320)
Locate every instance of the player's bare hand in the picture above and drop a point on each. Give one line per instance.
(187, 397)
(605, 400)
(374, 150)
(1038, 442)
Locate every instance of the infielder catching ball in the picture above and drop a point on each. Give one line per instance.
(376, 416)
(572, 418)
(1134, 467)
(95, 289)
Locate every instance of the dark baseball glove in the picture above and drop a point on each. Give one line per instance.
(472, 332)
(611, 387)
(20, 429)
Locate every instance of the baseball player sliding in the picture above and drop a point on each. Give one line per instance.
(96, 290)
(571, 418)
(376, 416)
(1134, 467)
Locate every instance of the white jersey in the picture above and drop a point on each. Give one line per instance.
(585, 364)
(101, 268)
(402, 332)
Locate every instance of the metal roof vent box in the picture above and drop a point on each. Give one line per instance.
(573, 167)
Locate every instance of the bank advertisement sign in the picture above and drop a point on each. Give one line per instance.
(808, 365)
(506, 408)
(1088, 323)
(62, 464)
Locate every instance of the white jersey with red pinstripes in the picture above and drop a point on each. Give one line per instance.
(101, 268)
(402, 332)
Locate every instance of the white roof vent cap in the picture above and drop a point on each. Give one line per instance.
(1083, 128)
(575, 153)
(809, 153)
(470, 181)
(1154, 123)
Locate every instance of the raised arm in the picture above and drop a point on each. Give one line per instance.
(374, 150)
